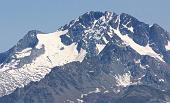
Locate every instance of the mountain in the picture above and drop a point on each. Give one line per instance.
(100, 57)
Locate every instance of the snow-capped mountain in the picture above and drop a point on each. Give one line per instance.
(99, 54)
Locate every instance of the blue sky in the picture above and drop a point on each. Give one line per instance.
(17, 17)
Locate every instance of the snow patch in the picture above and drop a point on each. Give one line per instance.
(106, 91)
(161, 80)
(142, 50)
(91, 71)
(123, 80)
(137, 61)
(23, 53)
(69, 101)
(140, 65)
(104, 38)
(141, 77)
(167, 46)
(80, 101)
(95, 91)
(82, 95)
(100, 47)
(52, 43)
(129, 28)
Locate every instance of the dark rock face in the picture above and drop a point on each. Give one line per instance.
(65, 83)
(159, 38)
(141, 30)
(29, 40)
(4, 56)
(94, 79)
(132, 94)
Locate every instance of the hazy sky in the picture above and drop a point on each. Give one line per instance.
(17, 17)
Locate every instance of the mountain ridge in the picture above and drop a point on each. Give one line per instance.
(123, 49)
